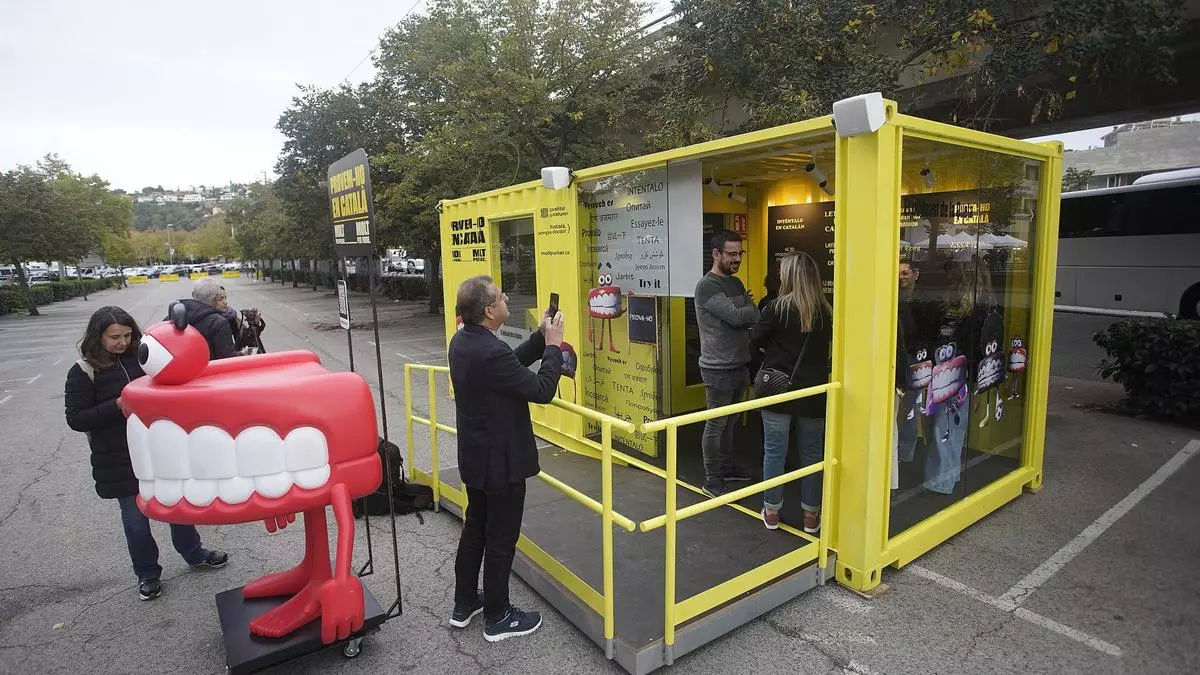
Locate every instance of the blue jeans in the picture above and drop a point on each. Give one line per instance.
(142, 549)
(778, 429)
(943, 452)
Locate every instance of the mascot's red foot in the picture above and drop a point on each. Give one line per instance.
(257, 438)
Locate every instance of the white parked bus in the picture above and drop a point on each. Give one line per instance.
(1134, 248)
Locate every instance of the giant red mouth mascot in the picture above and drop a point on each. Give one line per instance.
(257, 438)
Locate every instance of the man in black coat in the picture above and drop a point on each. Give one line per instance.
(204, 314)
(493, 388)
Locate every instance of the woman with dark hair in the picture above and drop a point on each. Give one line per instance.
(795, 331)
(93, 406)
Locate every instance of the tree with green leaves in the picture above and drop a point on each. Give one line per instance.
(214, 240)
(756, 64)
(496, 89)
(53, 213)
(1076, 179)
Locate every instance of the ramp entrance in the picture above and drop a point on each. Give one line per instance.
(680, 569)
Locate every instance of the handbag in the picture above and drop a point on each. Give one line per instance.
(771, 381)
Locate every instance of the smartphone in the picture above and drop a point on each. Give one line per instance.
(553, 308)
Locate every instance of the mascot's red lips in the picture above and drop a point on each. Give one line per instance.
(239, 452)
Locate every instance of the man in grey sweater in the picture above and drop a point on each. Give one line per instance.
(724, 312)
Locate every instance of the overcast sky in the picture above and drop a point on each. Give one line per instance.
(148, 93)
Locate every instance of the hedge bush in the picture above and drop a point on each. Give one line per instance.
(13, 300)
(1158, 363)
(396, 288)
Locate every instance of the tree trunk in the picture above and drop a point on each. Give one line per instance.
(79, 278)
(312, 271)
(295, 275)
(33, 311)
(432, 265)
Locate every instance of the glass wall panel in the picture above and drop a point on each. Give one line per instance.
(965, 284)
(518, 280)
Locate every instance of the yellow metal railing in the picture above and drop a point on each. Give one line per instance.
(604, 507)
(677, 613)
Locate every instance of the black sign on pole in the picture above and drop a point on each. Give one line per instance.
(352, 206)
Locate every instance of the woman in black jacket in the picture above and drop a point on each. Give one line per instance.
(796, 331)
(93, 406)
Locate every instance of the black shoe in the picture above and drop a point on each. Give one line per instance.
(215, 559)
(737, 476)
(463, 614)
(714, 488)
(514, 623)
(149, 589)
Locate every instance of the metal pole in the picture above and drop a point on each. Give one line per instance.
(431, 383)
(383, 416)
(369, 566)
(669, 609)
(606, 519)
(408, 421)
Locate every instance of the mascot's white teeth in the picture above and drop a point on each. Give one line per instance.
(604, 303)
(208, 463)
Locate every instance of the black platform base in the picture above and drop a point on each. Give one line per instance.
(246, 653)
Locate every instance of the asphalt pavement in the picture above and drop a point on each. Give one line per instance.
(1095, 573)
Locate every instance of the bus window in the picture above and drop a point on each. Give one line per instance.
(1174, 210)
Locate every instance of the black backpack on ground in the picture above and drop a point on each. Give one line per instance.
(406, 497)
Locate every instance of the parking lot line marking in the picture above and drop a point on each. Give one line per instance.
(1023, 588)
(5, 399)
(1019, 612)
(33, 379)
(410, 359)
(396, 342)
(57, 362)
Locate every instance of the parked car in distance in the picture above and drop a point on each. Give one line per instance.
(416, 265)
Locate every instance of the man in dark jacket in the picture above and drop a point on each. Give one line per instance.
(497, 452)
(203, 315)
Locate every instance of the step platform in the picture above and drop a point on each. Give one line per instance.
(711, 548)
(246, 653)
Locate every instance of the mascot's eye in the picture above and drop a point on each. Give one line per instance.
(921, 355)
(605, 279)
(153, 356)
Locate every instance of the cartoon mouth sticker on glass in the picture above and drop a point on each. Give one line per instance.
(920, 374)
(1018, 359)
(604, 303)
(991, 371)
(948, 377)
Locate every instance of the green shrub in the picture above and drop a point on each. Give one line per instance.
(1158, 363)
(12, 300)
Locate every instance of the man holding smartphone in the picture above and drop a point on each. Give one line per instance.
(496, 449)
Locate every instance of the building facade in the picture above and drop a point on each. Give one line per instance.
(1133, 150)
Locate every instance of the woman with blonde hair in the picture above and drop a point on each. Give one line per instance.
(795, 332)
